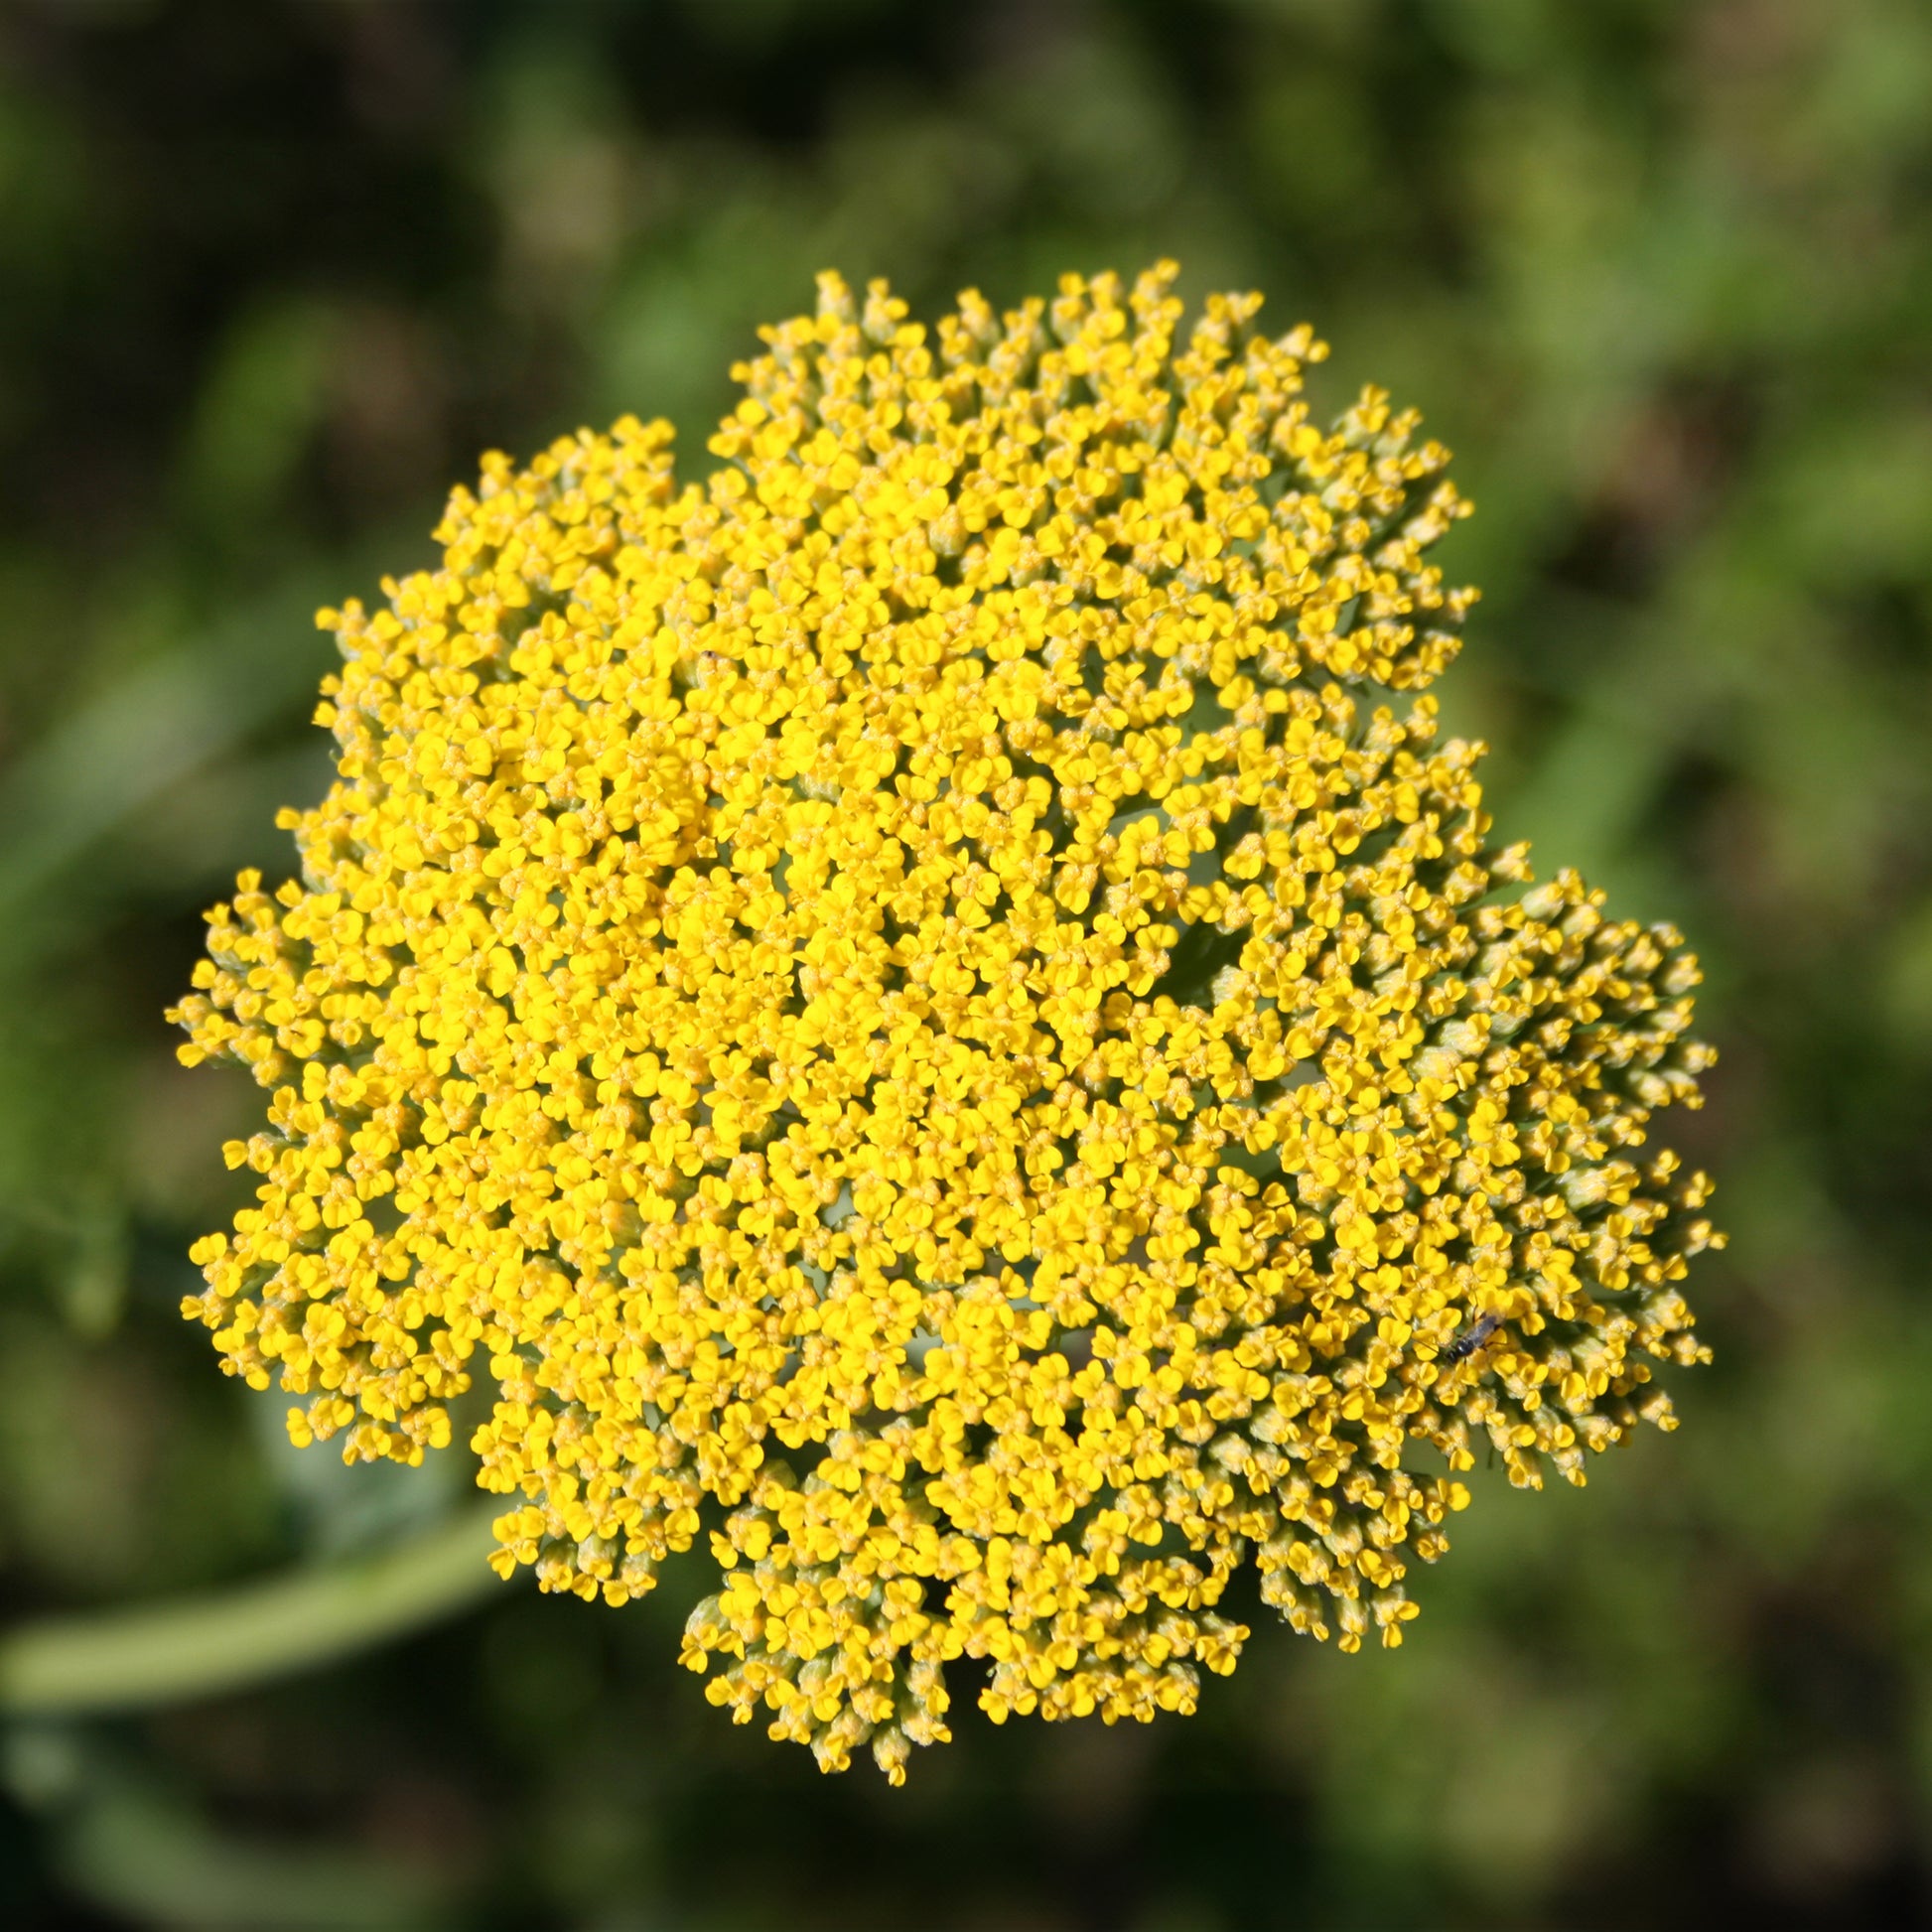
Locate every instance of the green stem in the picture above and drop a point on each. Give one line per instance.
(230, 1640)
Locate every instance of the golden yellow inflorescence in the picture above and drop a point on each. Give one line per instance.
(918, 1006)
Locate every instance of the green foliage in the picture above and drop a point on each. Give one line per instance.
(1660, 273)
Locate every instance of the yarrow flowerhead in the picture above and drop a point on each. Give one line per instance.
(925, 1014)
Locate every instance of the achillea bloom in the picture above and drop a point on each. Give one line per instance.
(917, 1008)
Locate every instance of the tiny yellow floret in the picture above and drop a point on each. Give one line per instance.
(927, 1015)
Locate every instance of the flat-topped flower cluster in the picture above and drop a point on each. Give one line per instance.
(928, 1015)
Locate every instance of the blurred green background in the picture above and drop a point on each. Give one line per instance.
(1659, 270)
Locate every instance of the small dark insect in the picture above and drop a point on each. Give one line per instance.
(1471, 1338)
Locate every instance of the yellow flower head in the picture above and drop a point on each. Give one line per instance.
(917, 1010)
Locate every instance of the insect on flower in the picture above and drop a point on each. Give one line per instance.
(1471, 1338)
(930, 1012)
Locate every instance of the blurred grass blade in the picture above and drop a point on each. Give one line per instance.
(174, 1652)
(158, 1863)
(158, 724)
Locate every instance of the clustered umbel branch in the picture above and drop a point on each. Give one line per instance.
(922, 1010)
